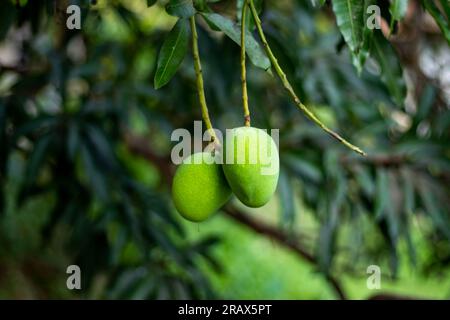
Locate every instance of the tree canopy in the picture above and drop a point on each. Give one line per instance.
(86, 117)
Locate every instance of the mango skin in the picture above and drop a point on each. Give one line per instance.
(245, 175)
(199, 189)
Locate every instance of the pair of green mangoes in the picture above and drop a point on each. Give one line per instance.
(201, 186)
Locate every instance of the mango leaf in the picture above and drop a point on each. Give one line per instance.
(408, 192)
(180, 8)
(391, 70)
(382, 194)
(302, 168)
(446, 6)
(254, 51)
(172, 53)
(392, 209)
(286, 198)
(440, 19)
(365, 180)
(318, 3)
(73, 140)
(426, 102)
(7, 16)
(398, 9)
(37, 158)
(351, 17)
(437, 214)
(200, 5)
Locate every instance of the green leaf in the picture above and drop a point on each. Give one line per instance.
(392, 209)
(37, 158)
(365, 180)
(200, 5)
(391, 70)
(440, 19)
(18, 3)
(348, 13)
(408, 192)
(172, 53)
(318, 3)
(351, 17)
(73, 140)
(446, 6)
(151, 2)
(7, 17)
(305, 169)
(180, 8)
(426, 101)
(94, 176)
(382, 195)
(398, 9)
(286, 198)
(434, 210)
(254, 51)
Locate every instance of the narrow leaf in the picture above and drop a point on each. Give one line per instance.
(286, 198)
(172, 53)
(254, 51)
(180, 8)
(382, 196)
(398, 9)
(442, 22)
(391, 70)
(351, 19)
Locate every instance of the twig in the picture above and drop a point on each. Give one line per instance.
(291, 91)
(243, 69)
(199, 79)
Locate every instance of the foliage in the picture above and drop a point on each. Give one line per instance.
(69, 100)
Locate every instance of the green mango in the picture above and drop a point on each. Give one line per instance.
(199, 187)
(251, 165)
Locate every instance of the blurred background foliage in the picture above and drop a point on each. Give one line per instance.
(85, 142)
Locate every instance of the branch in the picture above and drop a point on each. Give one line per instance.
(395, 161)
(17, 69)
(379, 160)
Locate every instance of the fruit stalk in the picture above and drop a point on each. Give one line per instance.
(243, 69)
(199, 80)
(289, 88)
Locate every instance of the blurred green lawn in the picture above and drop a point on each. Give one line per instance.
(255, 267)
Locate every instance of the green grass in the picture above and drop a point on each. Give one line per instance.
(254, 267)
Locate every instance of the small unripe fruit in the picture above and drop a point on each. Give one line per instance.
(251, 165)
(199, 187)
